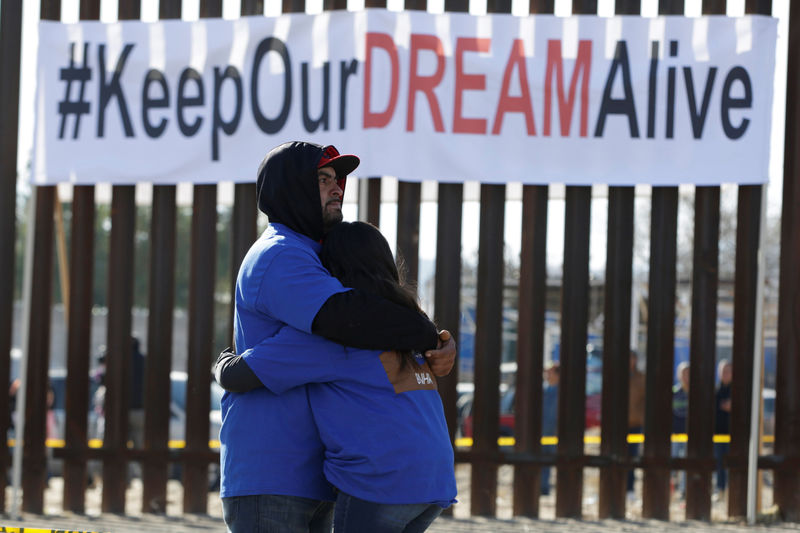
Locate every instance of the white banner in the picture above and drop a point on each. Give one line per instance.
(451, 97)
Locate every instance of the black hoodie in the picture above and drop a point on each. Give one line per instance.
(288, 193)
(288, 190)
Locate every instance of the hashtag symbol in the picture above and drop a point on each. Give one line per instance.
(68, 106)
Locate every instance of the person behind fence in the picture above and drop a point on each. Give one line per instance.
(722, 423)
(379, 414)
(549, 418)
(271, 451)
(680, 407)
(636, 400)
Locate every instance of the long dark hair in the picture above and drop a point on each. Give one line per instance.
(358, 255)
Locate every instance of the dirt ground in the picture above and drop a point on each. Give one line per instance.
(54, 498)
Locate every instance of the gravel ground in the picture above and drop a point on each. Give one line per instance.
(135, 522)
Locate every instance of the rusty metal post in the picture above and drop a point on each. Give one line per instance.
(121, 278)
(34, 459)
(447, 288)
(660, 339)
(574, 322)
(201, 344)
(616, 350)
(10, 47)
(79, 346)
(572, 384)
(660, 351)
(748, 231)
(79, 330)
(38, 349)
(159, 347)
(409, 196)
(530, 347)
(748, 228)
(202, 279)
(488, 349)
(408, 205)
(616, 336)
(703, 348)
(787, 401)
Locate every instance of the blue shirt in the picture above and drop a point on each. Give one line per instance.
(680, 406)
(550, 410)
(270, 443)
(381, 420)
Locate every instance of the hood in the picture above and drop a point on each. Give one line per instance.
(288, 190)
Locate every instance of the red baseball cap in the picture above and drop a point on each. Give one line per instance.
(343, 164)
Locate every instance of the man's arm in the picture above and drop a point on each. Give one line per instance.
(359, 319)
(443, 358)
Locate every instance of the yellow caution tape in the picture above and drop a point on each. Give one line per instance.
(634, 438)
(7, 529)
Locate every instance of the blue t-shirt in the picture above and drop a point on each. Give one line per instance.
(269, 443)
(381, 420)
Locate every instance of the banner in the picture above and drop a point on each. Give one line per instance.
(418, 96)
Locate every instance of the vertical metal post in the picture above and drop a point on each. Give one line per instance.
(447, 288)
(748, 243)
(38, 342)
(79, 346)
(447, 297)
(787, 394)
(79, 320)
(530, 347)
(660, 339)
(616, 335)
(572, 384)
(201, 331)
(703, 351)
(616, 350)
(34, 459)
(488, 349)
(574, 322)
(10, 46)
(408, 205)
(660, 352)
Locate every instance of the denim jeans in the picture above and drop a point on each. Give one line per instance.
(679, 450)
(720, 451)
(358, 516)
(274, 513)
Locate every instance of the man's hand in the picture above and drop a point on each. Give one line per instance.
(442, 359)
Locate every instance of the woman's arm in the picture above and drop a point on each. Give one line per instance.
(233, 374)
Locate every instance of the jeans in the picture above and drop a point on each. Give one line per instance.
(545, 472)
(720, 451)
(358, 516)
(633, 451)
(679, 450)
(274, 513)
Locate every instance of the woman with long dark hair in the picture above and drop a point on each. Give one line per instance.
(387, 447)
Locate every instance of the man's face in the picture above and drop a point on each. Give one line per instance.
(330, 195)
(727, 374)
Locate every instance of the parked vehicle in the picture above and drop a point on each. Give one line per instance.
(594, 385)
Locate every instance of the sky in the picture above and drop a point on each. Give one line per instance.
(471, 217)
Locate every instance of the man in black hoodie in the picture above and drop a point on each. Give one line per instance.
(271, 452)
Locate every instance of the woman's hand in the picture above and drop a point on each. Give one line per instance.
(442, 359)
